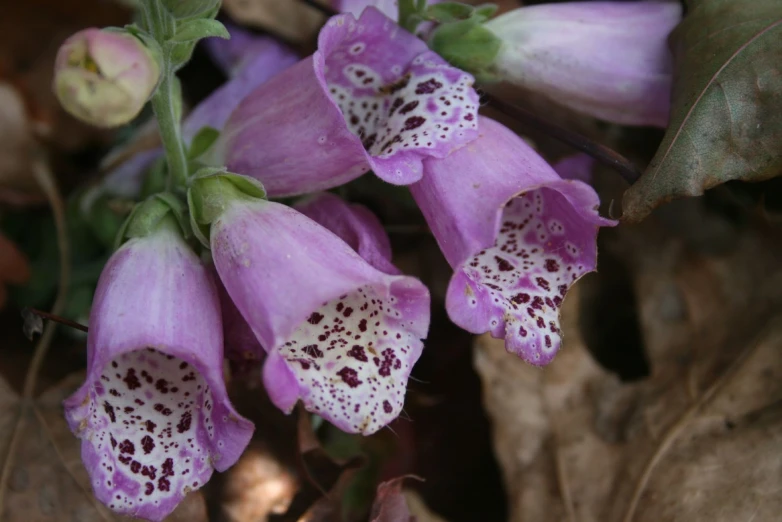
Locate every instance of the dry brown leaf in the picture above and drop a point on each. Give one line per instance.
(698, 440)
(291, 20)
(257, 486)
(48, 481)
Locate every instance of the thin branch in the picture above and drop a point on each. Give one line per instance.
(56, 318)
(323, 8)
(603, 154)
(44, 178)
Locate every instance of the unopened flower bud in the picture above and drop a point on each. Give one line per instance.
(104, 77)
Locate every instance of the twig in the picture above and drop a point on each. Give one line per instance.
(603, 154)
(45, 180)
(56, 318)
(323, 8)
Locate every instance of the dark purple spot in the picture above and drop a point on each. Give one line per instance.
(162, 409)
(163, 484)
(147, 444)
(135, 466)
(149, 488)
(313, 351)
(537, 303)
(551, 265)
(428, 87)
(149, 471)
(548, 341)
(184, 422)
(387, 407)
(369, 141)
(394, 106)
(469, 117)
(350, 376)
(131, 379)
(413, 122)
(168, 467)
(362, 325)
(502, 264)
(127, 447)
(357, 352)
(543, 283)
(150, 426)
(522, 331)
(113, 441)
(109, 409)
(521, 298)
(315, 318)
(409, 107)
(348, 311)
(541, 323)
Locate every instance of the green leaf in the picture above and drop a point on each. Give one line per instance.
(202, 141)
(727, 101)
(449, 12)
(200, 28)
(467, 45)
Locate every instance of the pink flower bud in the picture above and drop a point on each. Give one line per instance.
(104, 77)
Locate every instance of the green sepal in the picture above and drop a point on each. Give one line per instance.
(200, 28)
(148, 215)
(213, 190)
(189, 9)
(468, 45)
(411, 13)
(449, 12)
(485, 11)
(202, 141)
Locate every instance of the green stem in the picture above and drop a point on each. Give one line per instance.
(164, 105)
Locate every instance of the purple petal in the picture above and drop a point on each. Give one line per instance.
(253, 60)
(606, 59)
(355, 224)
(241, 345)
(347, 333)
(374, 87)
(245, 51)
(153, 414)
(578, 166)
(516, 234)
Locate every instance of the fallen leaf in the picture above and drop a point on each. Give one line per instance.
(291, 20)
(391, 504)
(696, 440)
(727, 97)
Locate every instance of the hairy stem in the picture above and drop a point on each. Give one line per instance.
(163, 103)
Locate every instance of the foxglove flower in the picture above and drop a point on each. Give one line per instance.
(372, 97)
(340, 335)
(606, 59)
(104, 77)
(516, 234)
(153, 414)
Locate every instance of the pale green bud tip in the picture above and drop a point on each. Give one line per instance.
(104, 77)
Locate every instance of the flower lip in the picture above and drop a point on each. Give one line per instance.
(402, 101)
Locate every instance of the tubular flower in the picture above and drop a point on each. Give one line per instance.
(516, 234)
(606, 59)
(340, 335)
(153, 414)
(372, 97)
(104, 77)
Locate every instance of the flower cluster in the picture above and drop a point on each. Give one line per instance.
(309, 289)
